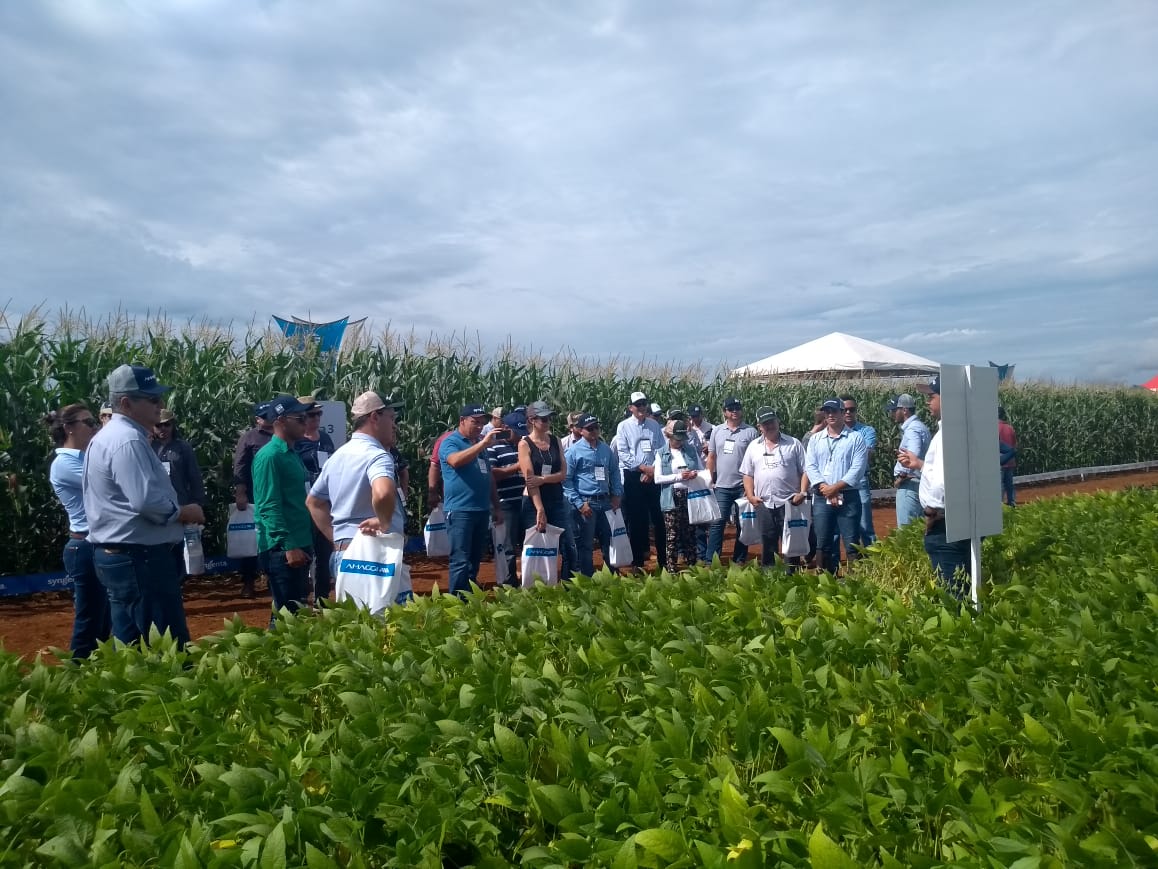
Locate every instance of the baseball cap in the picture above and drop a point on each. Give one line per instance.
(677, 429)
(905, 400)
(933, 387)
(516, 422)
(695, 410)
(733, 403)
(655, 409)
(167, 415)
(284, 405)
(370, 401)
(891, 404)
(497, 411)
(106, 408)
(260, 408)
(766, 414)
(833, 405)
(538, 409)
(637, 397)
(587, 421)
(135, 378)
(677, 413)
(472, 410)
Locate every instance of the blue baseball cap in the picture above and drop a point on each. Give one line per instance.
(516, 422)
(473, 410)
(135, 379)
(284, 405)
(933, 387)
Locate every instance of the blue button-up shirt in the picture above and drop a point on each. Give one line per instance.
(833, 459)
(581, 484)
(636, 443)
(915, 437)
(65, 477)
(127, 494)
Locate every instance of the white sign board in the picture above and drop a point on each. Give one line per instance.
(334, 421)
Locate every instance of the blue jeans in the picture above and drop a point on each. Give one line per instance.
(726, 497)
(468, 531)
(144, 591)
(288, 586)
(1007, 486)
(831, 524)
(91, 622)
(586, 530)
(866, 535)
(947, 558)
(908, 503)
(514, 529)
(559, 515)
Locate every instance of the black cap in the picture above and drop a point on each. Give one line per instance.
(733, 403)
(473, 410)
(933, 387)
(833, 405)
(766, 414)
(587, 421)
(695, 410)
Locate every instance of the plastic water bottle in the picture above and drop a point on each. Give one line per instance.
(194, 554)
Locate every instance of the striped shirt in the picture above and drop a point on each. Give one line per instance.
(503, 454)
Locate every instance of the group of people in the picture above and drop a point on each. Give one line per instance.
(130, 485)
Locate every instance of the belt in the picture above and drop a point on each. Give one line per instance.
(78, 535)
(902, 482)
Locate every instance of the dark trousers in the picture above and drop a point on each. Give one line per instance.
(144, 591)
(559, 515)
(587, 529)
(91, 622)
(288, 586)
(947, 559)
(641, 513)
(831, 524)
(679, 537)
(1007, 486)
(323, 576)
(468, 531)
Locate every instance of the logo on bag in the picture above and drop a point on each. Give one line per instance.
(748, 514)
(438, 526)
(243, 526)
(797, 523)
(366, 568)
(621, 531)
(540, 551)
(698, 493)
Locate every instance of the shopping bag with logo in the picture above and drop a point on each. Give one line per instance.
(541, 556)
(371, 572)
(241, 533)
(702, 506)
(194, 553)
(749, 522)
(437, 540)
(797, 522)
(619, 553)
(502, 565)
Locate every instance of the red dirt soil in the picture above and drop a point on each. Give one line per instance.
(37, 623)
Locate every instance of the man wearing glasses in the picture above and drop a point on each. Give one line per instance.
(134, 514)
(314, 448)
(285, 539)
(866, 534)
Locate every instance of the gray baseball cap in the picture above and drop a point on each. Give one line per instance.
(135, 379)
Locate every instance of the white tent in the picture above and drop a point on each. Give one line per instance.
(838, 354)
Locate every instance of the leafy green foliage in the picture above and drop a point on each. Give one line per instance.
(716, 718)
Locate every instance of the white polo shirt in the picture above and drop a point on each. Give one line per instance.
(346, 481)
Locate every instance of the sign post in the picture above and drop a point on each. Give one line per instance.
(334, 420)
(972, 460)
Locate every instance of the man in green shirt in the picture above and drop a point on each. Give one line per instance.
(284, 527)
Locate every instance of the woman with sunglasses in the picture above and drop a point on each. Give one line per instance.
(314, 448)
(71, 429)
(180, 463)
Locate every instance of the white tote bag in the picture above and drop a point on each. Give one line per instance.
(541, 556)
(241, 534)
(797, 521)
(619, 554)
(499, 539)
(371, 572)
(437, 540)
(702, 506)
(749, 522)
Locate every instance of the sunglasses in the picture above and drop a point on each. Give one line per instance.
(850, 410)
(90, 422)
(297, 417)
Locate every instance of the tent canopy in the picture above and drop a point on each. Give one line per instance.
(838, 353)
(1151, 384)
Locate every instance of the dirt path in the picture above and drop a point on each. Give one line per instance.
(32, 624)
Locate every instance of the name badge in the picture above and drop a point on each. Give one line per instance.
(322, 456)
(600, 474)
(547, 469)
(771, 462)
(168, 468)
(482, 466)
(729, 447)
(645, 444)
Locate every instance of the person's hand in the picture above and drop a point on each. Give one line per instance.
(493, 435)
(240, 500)
(296, 558)
(688, 475)
(432, 502)
(541, 519)
(191, 514)
(497, 516)
(614, 502)
(754, 501)
(648, 471)
(370, 526)
(908, 459)
(798, 498)
(827, 490)
(585, 511)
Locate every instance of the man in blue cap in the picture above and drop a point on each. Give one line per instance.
(509, 484)
(469, 494)
(133, 515)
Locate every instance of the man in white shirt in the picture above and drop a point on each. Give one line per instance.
(950, 560)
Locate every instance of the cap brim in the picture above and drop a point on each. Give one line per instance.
(925, 389)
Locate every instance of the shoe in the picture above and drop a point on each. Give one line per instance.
(247, 590)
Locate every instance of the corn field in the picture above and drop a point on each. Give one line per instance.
(218, 376)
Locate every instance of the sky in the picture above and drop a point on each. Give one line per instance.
(699, 182)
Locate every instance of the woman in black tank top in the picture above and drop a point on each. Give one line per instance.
(544, 468)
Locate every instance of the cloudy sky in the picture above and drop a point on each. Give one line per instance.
(711, 181)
